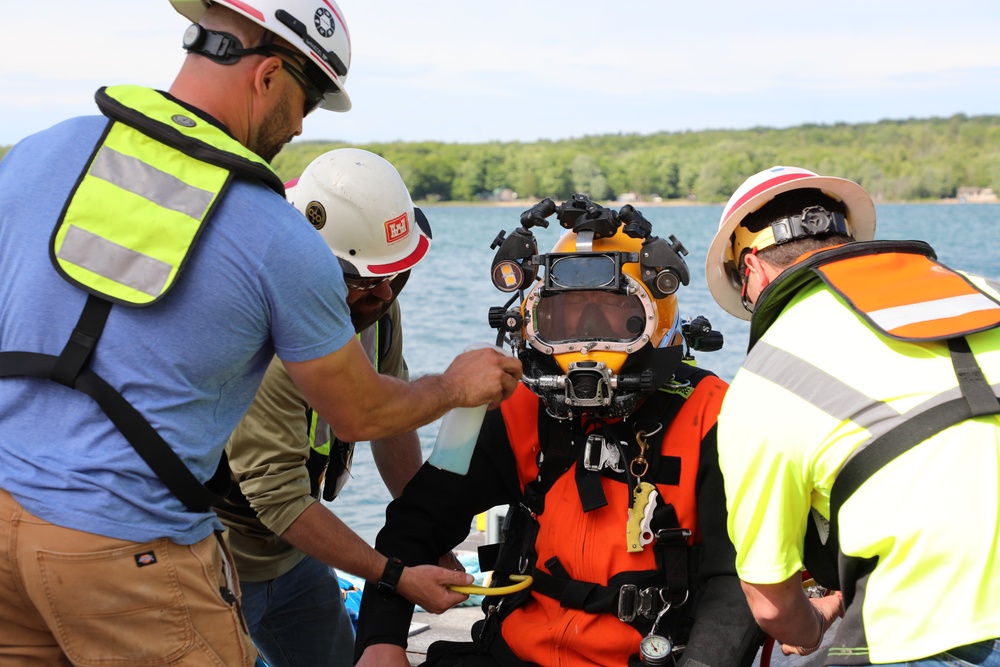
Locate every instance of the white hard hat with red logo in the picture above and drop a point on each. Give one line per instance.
(316, 28)
(721, 263)
(359, 203)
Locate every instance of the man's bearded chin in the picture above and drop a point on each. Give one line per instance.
(366, 318)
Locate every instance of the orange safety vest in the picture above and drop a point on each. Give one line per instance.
(911, 297)
(898, 287)
(591, 546)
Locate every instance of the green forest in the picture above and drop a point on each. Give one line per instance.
(895, 160)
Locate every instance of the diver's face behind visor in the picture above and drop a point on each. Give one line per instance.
(565, 317)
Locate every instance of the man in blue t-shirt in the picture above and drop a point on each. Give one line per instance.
(100, 561)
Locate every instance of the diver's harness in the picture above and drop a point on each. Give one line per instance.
(638, 598)
(187, 144)
(822, 558)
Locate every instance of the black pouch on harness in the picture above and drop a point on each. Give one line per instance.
(820, 560)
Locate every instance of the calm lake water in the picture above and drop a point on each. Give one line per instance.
(446, 301)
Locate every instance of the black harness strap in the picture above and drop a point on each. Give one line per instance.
(588, 485)
(82, 341)
(591, 597)
(556, 439)
(976, 391)
(69, 369)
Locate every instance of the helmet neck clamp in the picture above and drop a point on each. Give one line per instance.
(590, 387)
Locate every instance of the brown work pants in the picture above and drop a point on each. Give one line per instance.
(74, 598)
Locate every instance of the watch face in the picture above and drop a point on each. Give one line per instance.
(654, 649)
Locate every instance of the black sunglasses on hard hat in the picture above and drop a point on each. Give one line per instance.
(314, 83)
(313, 94)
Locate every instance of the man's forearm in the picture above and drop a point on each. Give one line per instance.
(784, 612)
(398, 458)
(321, 534)
(359, 404)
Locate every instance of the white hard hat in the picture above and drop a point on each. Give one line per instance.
(359, 203)
(756, 191)
(316, 28)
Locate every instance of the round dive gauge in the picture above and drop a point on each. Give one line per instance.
(655, 650)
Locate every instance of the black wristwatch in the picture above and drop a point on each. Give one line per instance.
(390, 576)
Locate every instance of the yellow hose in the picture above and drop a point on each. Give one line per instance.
(524, 580)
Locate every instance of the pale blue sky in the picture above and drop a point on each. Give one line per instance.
(473, 71)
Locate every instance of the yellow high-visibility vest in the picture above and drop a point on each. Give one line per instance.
(145, 196)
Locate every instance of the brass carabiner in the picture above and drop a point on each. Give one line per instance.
(640, 439)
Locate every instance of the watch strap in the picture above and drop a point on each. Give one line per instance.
(390, 576)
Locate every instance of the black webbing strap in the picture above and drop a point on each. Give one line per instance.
(632, 597)
(556, 439)
(671, 549)
(977, 400)
(82, 341)
(975, 390)
(69, 369)
(589, 488)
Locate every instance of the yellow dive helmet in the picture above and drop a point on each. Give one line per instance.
(605, 312)
(600, 328)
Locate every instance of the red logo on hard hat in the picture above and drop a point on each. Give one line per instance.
(397, 228)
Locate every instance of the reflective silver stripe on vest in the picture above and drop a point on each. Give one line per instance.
(817, 387)
(827, 393)
(128, 267)
(900, 316)
(150, 183)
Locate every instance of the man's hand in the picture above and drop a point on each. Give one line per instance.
(483, 376)
(427, 586)
(384, 655)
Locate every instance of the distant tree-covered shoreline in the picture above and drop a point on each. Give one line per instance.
(895, 160)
